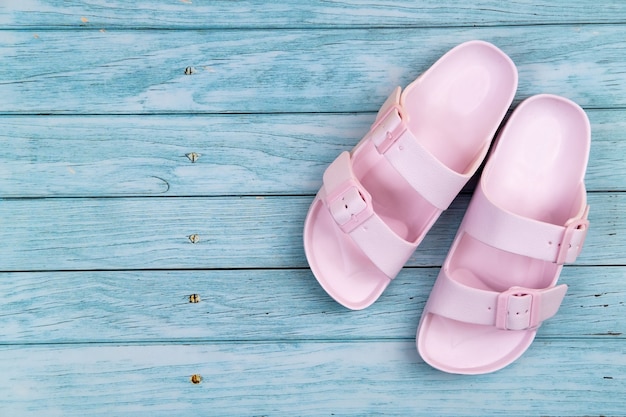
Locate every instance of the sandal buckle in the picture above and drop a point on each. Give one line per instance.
(350, 205)
(516, 309)
(573, 239)
(384, 141)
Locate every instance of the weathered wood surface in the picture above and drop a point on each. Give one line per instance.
(557, 377)
(222, 14)
(112, 161)
(261, 154)
(261, 71)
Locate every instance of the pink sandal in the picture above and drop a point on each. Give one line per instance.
(528, 217)
(377, 202)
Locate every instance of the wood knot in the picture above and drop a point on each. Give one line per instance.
(194, 298)
(195, 379)
(194, 238)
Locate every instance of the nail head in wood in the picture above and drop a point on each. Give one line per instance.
(193, 156)
(194, 238)
(196, 379)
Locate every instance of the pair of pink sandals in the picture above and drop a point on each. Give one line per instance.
(527, 217)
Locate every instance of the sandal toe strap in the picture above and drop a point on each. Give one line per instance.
(517, 308)
(502, 229)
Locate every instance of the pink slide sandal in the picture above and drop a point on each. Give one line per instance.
(528, 217)
(377, 202)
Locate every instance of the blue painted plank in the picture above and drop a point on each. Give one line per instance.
(113, 156)
(554, 378)
(197, 14)
(235, 154)
(252, 305)
(90, 72)
(153, 233)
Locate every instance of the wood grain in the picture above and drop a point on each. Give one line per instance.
(235, 232)
(258, 305)
(112, 156)
(382, 377)
(188, 14)
(269, 71)
(270, 154)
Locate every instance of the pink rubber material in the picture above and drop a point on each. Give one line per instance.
(527, 217)
(377, 202)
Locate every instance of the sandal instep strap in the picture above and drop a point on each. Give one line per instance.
(350, 205)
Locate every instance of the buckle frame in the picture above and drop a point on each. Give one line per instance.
(516, 309)
(572, 228)
(391, 136)
(350, 205)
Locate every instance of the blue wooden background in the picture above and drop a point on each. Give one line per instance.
(127, 185)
